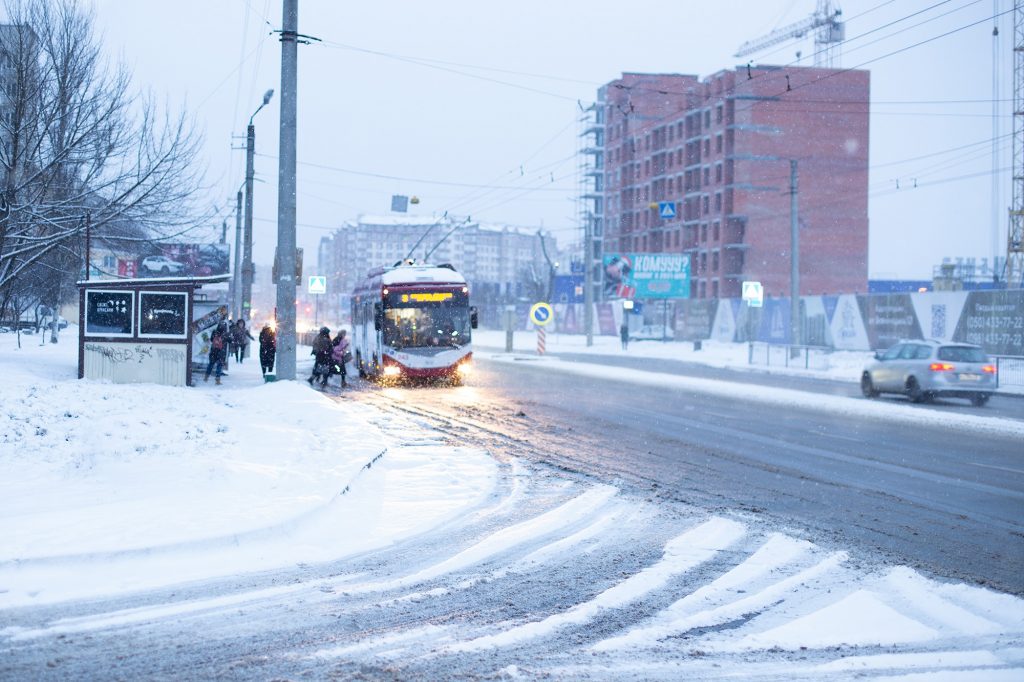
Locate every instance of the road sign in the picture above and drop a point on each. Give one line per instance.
(667, 209)
(541, 314)
(317, 284)
(753, 294)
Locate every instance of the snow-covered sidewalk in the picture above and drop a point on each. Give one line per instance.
(108, 488)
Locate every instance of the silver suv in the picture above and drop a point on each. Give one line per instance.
(922, 370)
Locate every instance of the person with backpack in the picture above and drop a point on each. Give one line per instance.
(321, 353)
(218, 351)
(340, 355)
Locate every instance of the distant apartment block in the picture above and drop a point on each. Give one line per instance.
(719, 150)
(493, 258)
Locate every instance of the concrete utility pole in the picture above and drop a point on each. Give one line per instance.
(794, 257)
(236, 281)
(588, 278)
(286, 284)
(250, 152)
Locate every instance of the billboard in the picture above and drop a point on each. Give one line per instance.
(647, 275)
(183, 260)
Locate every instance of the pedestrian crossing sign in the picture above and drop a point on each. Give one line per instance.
(753, 294)
(667, 209)
(317, 284)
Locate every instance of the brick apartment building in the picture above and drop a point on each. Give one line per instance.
(720, 148)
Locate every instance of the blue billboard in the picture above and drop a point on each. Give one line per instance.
(647, 275)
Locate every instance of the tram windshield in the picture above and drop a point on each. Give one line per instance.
(426, 327)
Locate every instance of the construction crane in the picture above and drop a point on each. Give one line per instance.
(829, 31)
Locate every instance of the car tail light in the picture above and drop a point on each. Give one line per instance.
(989, 369)
(940, 367)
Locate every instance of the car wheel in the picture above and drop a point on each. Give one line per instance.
(980, 399)
(165, 271)
(867, 387)
(914, 391)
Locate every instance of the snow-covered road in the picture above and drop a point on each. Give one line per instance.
(268, 531)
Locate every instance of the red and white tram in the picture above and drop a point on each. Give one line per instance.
(413, 321)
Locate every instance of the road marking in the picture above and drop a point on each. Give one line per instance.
(992, 466)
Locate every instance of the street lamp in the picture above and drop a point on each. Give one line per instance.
(247, 269)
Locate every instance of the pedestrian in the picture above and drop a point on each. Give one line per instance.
(340, 355)
(218, 351)
(268, 347)
(240, 337)
(624, 334)
(321, 353)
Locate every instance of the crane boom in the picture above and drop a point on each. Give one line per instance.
(827, 27)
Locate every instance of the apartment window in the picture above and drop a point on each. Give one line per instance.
(671, 185)
(679, 156)
(714, 261)
(718, 113)
(714, 289)
(703, 261)
(703, 290)
(707, 175)
(707, 204)
(670, 133)
(707, 118)
(704, 232)
(718, 172)
(718, 202)
(707, 146)
(647, 167)
(715, 230)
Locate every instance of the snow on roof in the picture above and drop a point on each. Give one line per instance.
(421, 273)
(404, 219)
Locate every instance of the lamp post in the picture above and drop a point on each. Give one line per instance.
(247, 269)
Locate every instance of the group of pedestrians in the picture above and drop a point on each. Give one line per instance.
(232, 339)
(329, 357)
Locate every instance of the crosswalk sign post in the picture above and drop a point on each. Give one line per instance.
(753, 296)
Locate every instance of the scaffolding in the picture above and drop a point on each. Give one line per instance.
(1015, 233)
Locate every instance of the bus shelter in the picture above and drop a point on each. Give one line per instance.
(142, 330)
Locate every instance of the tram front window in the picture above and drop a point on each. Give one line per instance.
(426, 327)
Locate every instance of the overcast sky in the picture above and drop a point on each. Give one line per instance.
(432, 98)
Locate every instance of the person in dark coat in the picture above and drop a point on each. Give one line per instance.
(624, 335)
(268, 348)
(321, 353)
(218, 351)
(240, 338)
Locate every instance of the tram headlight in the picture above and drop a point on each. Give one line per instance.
(391, 371)
(465, 368)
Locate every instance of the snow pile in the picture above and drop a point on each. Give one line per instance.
(115, 487)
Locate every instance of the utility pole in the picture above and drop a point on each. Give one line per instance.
(236, 281)
(286, 284)
(794, 258)
(588, 278)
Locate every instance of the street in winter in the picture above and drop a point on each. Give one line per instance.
(549, 341)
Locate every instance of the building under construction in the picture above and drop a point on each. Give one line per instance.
(718, 151)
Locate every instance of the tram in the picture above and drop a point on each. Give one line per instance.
(413, 321)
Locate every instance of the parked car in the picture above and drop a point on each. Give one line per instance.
(922, 370)
(162, 265)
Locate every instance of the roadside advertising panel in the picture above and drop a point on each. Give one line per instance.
(647, 275)
(993, 320)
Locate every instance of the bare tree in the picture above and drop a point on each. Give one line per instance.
(76, 141)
